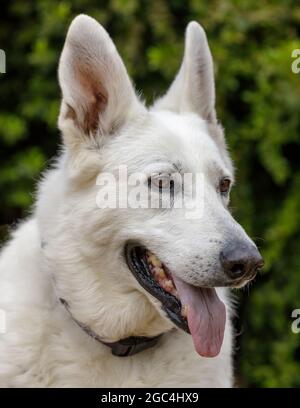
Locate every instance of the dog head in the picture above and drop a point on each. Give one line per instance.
(138, 271)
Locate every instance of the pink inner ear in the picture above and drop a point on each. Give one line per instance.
(94, 100)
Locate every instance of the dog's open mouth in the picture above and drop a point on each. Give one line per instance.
(198, 311)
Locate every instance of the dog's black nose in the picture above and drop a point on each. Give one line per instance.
(241, 260)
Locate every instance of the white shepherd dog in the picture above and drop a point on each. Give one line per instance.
(126, 297)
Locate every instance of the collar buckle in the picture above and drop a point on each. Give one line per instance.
(132, 345)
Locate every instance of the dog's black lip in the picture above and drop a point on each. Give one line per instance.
(135, 258)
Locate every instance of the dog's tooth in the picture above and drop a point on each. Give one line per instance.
(159, 273)
(168, 284)
(184, 310)
(151, 259)
(156, 262)
(175, 293)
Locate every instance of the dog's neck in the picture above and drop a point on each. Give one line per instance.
(121, 348)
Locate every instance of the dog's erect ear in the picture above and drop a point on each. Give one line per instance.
(193, 89)
(98, 96)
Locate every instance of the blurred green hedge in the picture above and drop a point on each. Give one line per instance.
(258, 103)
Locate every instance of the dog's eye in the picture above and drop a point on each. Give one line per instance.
(224, 185)
(161, 182)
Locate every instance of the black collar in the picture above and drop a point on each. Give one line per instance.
(121, 348)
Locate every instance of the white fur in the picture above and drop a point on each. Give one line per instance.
(71, 249)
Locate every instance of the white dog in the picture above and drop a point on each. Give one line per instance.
(123, 297)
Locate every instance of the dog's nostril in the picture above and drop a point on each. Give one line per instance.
(233, 266)
(238, 260)
(259, 264)
(237, 270)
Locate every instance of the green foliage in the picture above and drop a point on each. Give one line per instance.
(258, 104)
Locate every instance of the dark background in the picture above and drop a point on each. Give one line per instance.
(258, 99)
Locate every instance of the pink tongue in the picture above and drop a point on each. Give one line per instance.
(206, 316)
